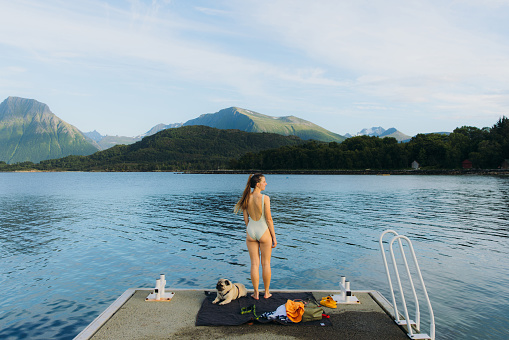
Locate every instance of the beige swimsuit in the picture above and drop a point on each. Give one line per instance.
(256, 229)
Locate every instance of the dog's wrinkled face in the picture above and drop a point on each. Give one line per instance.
(223, 285)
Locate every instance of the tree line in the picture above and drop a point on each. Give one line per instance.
(486, 148)
(205, 148)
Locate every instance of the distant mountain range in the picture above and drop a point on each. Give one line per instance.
(235, 118)
(106, 142)
(250, 121)
(381, 132)
(29, 131)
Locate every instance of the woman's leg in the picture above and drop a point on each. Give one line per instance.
(266, 250)
(254, 253)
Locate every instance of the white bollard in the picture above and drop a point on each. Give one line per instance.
(159, 293)
(345, 296)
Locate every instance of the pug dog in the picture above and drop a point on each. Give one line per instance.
(228, 291)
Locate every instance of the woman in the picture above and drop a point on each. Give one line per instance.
(260, 236)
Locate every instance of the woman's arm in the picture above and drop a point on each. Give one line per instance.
(270, 223)
(246, 216)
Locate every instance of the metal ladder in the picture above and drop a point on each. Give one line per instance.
(407, 321)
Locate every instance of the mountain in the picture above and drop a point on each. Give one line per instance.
(234, 118)
(94, 135)
(106, 142)
(29, 131)
(184, 148)
(392, 132)
(374, 131)
(381, 132)
(250, 121)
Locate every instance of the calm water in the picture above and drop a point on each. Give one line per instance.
(71, 243)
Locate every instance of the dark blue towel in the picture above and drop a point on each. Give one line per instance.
(230, 314)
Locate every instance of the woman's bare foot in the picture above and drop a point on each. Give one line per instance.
(255, 295)
(267, 295)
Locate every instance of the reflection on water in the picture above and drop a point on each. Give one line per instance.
(71, 243)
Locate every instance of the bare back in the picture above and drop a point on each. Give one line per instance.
(254, 206)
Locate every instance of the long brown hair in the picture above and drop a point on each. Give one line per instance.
(251, 183)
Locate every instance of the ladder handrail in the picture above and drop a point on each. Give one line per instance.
(412, 252)
(394, 306)
(396, 314)
(417, 312)
(416, 299)
(399, 238)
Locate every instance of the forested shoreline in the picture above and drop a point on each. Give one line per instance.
(485, 148)
(203, 149)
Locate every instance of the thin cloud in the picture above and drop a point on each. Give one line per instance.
(211, 11)
(76, 37)
(315, 60)
(394, 42)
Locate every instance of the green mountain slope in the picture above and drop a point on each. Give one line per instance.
(184, 148)
(250, 121)
(29, 131)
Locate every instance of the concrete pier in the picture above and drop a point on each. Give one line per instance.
(131, 317)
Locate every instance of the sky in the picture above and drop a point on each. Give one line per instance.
(122, 67)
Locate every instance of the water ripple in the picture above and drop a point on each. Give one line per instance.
(72, 242)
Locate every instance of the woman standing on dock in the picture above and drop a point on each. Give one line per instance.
(260, 236)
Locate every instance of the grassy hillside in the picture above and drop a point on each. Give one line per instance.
(184, 148)
(250, 121)
(29, 131)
